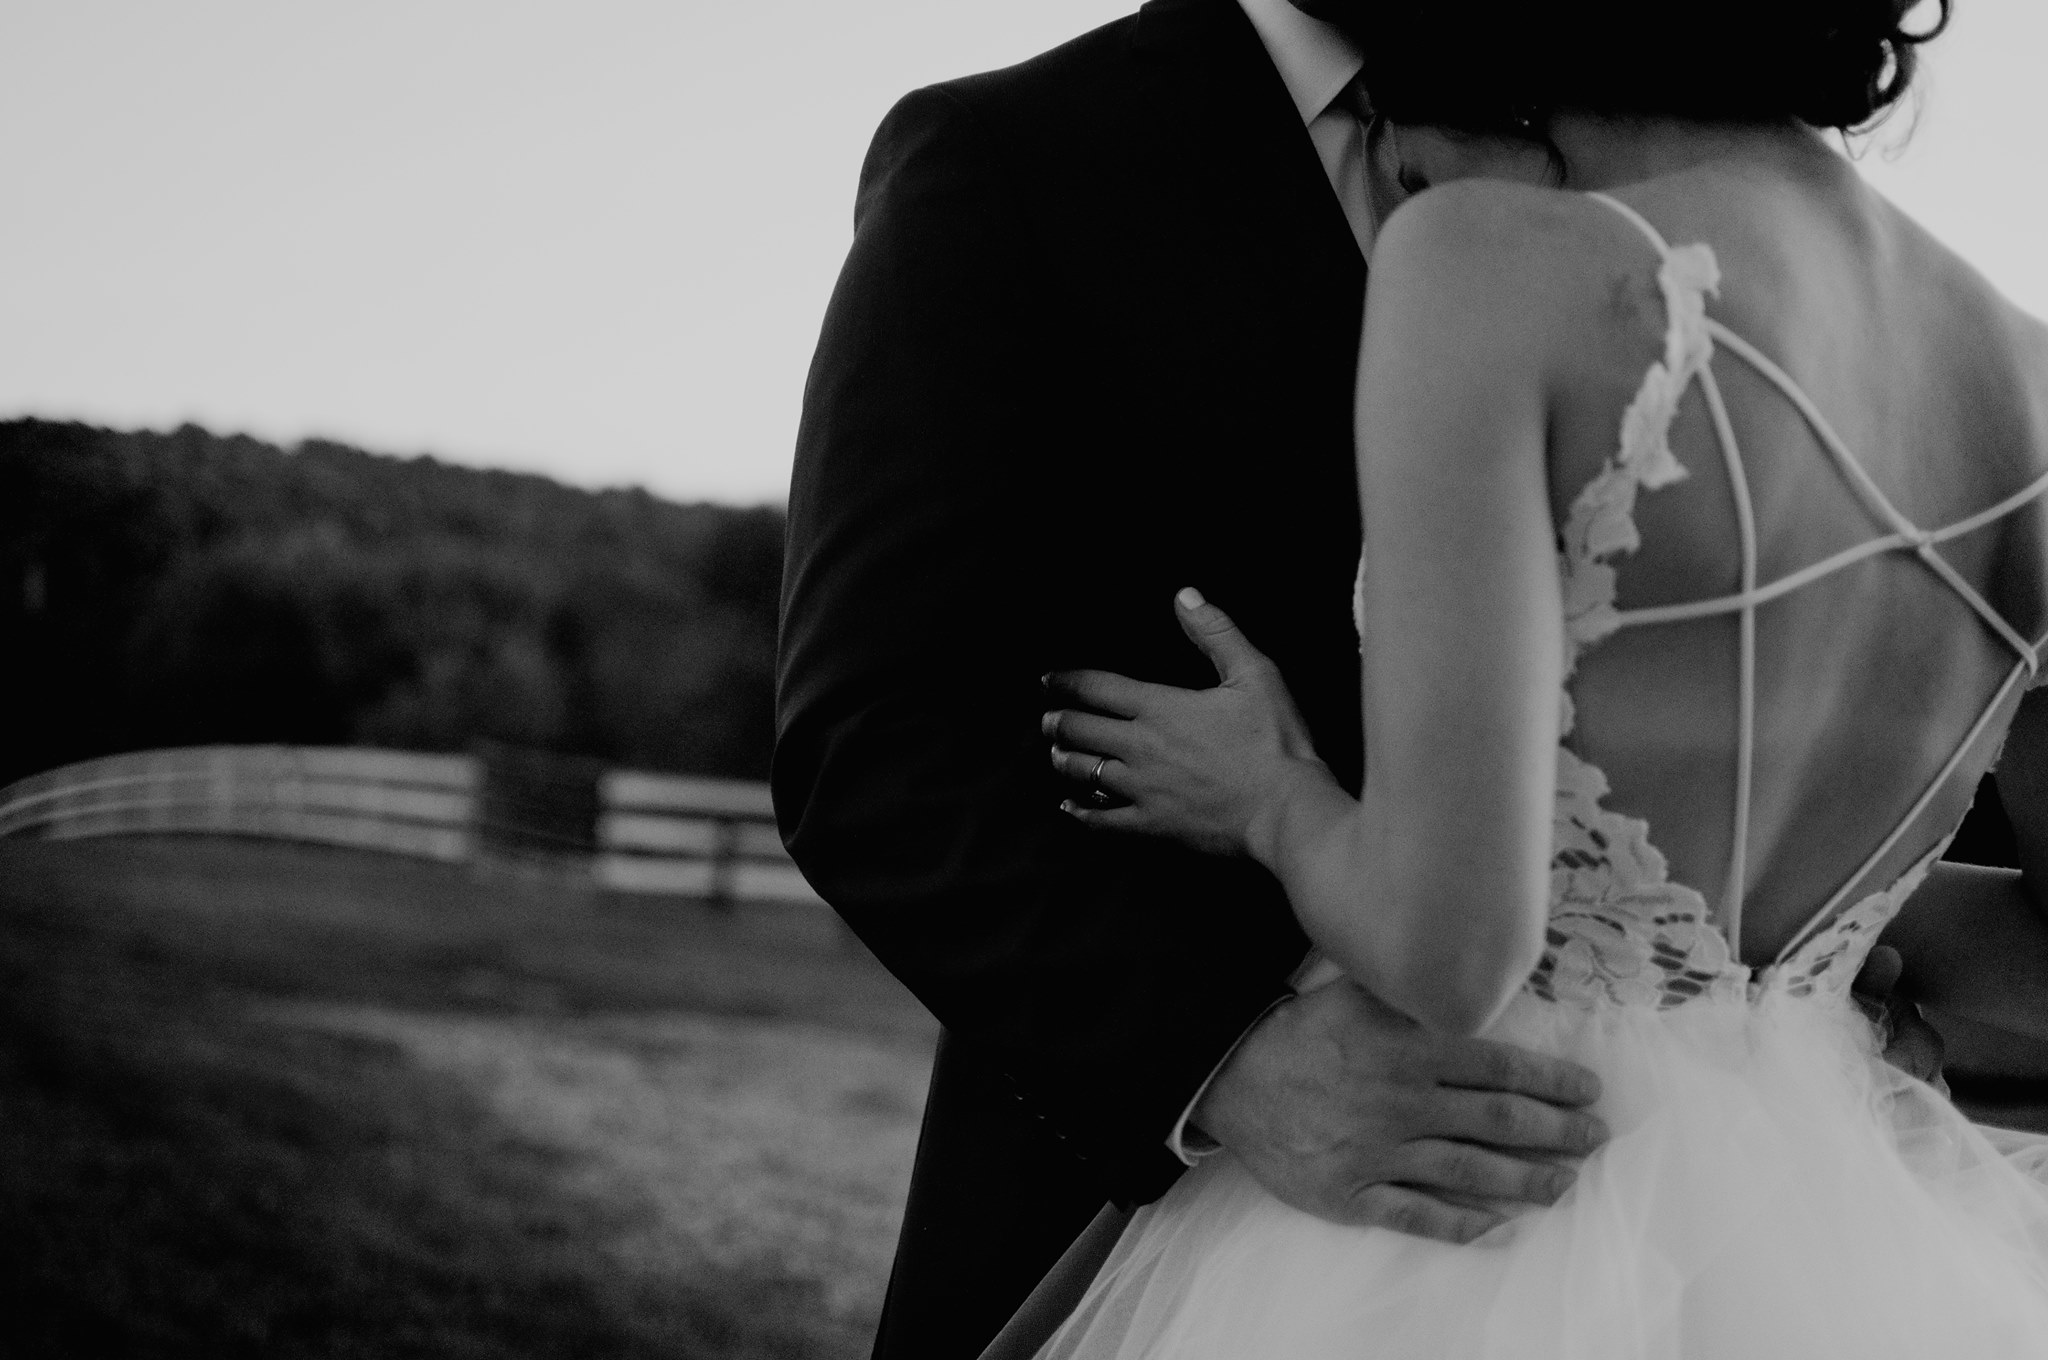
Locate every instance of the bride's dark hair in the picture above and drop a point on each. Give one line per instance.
(1504, 66)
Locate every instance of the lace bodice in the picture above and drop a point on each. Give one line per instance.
(1620, 929)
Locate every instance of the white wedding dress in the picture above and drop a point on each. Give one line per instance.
(1772, 1189)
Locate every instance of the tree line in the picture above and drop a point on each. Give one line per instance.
(187, 588)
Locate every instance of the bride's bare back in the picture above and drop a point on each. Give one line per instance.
(1868, 679)
(1832, 382)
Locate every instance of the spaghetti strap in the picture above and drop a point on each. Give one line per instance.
(1685, 277)
(1642, 223)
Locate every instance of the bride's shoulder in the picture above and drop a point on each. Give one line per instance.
(1981, 344)
(2027, 341)
(2025, 336)
(1495, 225)
(1516, 260)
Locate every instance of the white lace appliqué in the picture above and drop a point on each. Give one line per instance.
(1828, 963)
(1602, 523)
(1620, 930)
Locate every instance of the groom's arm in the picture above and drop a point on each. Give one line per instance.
(1975, 939)
(920, 606)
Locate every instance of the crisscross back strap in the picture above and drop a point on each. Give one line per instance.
(1902, 535)
(1905, 534)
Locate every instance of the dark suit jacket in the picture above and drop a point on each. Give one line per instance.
(1095, 341)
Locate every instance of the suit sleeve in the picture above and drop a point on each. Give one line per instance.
(919, 610)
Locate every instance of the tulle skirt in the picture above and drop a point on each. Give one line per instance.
(1772, 1189)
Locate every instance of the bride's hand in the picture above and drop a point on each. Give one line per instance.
(1209, 768)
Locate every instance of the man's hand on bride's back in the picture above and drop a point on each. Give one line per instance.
(1348, 1110)
(1205, 767)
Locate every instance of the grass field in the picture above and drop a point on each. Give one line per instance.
(268, 1100)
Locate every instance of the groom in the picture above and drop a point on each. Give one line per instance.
(1095, 342)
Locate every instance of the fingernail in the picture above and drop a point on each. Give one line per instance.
(1048, 723)
(1189, 598)
(1597, 1132)
(1045, 681)
(1560, 1181)
(1067, 806)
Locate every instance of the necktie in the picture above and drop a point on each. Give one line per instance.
(1339, 136)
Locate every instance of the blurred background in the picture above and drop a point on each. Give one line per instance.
(396, 404)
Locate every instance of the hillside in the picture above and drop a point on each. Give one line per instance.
(170, 589)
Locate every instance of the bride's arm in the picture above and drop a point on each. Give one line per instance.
(1974, 944)
(1975, 940)
(1430, 891)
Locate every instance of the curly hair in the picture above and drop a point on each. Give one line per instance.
(1505, 66)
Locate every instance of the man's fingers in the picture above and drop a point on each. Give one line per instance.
(1468, 1171)
(1880, 972)
(1211, 630)
(1128, 819)
(1502, 1120)
(1103, 691)
(1911, 1044)
(1090, 769)
(1482, 1065)
(1418, 1215)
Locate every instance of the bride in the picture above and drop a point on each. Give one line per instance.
(1706, 573)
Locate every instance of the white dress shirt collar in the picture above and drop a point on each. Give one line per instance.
(1314, 60)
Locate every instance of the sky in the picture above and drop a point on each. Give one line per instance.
(591, 239)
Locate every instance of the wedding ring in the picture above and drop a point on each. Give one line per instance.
(1095, 778)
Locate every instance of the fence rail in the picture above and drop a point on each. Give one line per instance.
(625, 829)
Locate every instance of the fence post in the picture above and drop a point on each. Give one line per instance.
(536, 808)
(725, 859)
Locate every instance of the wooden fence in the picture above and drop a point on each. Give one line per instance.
(627, 830)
